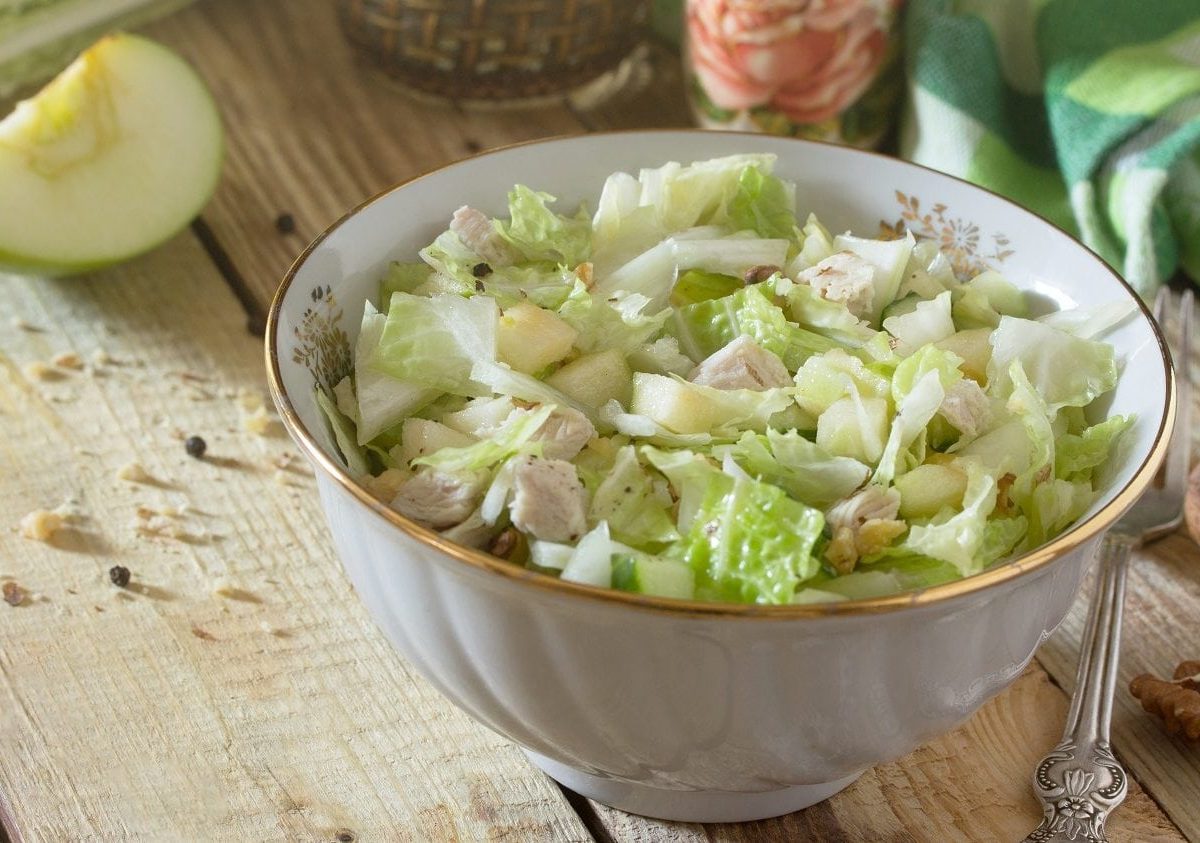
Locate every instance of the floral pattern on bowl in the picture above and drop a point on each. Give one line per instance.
(322, 345)
(958, 238)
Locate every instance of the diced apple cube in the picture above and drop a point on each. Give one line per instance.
(595, 379)
(974, 347)
(530, 338)
(927, 489)
(422, 437)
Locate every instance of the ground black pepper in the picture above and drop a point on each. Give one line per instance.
(481, 270)
(195, 446)
(285, 223)
(119, 575)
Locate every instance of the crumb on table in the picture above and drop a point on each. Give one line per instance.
(41, 525)
(134, 472)
(14, 595)
(68, 360)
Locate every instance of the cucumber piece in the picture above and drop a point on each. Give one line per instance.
(902, 306)
(653, 575)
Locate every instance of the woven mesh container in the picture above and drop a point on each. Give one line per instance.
(495, 49)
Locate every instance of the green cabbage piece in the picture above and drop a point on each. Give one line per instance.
(956, 537)
(403, 278)
(700, 192)
(544, 284)
(382, 401)
(625, 499)
(913, 412)
(696, 285)
(621, 323)
(685, 407)
(709, 326)
(539, 234)
(926, 359)
(804, 470)
(1001, 536)
(807, 308)
(1075, 456)
(764, 204)
(453, 263)
(816, 244)
(513, 437)
(826, 378)
(435, 342)
(344, 435)
(747, 541)
(1065, 370)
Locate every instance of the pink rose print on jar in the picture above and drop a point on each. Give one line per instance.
(823, 69)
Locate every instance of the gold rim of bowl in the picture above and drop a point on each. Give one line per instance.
(1019, 567)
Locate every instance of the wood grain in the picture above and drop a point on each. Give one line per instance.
(971, 784)
(311, 131)
(165, 712)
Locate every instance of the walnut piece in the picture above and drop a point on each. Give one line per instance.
(862, 524)
(1176, 702)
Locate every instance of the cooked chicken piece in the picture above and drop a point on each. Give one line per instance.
(966, 406)
(564, 434)
(439, 499)
(843, 277)
(478, 234)
(862, 524)
(549, 502)
(742, 364)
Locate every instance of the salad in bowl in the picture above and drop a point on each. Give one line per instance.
(691, 388)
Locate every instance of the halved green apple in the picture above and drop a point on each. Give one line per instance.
(110, 159)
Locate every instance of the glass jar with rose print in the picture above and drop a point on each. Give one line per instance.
(822, 69)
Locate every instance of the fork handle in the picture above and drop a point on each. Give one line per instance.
(1080, 781)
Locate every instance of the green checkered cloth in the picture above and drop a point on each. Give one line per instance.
(1085, 111)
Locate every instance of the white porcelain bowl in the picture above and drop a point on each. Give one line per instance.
(682, 710)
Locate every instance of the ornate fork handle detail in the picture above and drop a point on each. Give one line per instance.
(1080, 781)
(1078, 786)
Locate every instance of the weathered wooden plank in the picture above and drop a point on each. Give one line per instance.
(972, 784)
(164, 711)
(312, 131)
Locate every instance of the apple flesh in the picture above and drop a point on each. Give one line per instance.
(110, 159)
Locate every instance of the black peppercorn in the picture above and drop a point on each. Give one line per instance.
(195, 446)
(285, 223)
(119, 575)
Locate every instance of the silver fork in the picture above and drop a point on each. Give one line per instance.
(1080, 782)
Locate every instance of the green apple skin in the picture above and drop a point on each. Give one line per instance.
(127, 83)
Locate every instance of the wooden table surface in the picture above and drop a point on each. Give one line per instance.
(238, 691)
